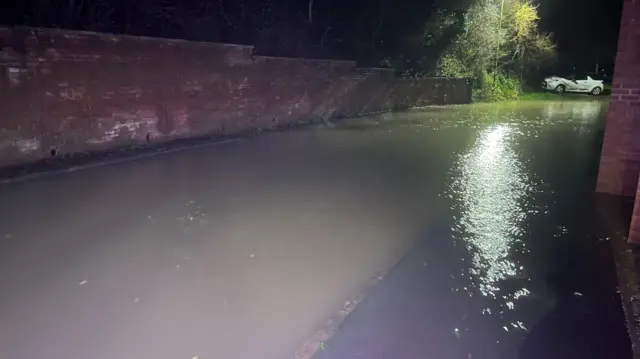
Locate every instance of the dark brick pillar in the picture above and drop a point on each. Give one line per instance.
(620, 160)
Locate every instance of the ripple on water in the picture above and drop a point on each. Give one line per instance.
(491, 192)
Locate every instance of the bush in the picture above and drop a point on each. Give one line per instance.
(451, 66)
(498, 87)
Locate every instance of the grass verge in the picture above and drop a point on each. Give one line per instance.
(551, 96)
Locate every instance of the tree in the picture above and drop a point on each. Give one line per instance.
(500, 39)
(530, 48)
(418, 54)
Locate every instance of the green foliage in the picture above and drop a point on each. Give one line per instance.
(444, 26)
(522, 18)
(497, 87)
(450, 65)
(498, 45)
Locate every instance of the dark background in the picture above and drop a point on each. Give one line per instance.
(585, 31)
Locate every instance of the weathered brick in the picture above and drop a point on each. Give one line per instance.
(620, 161)
(620, 91)
(620, 164)
(76, 91)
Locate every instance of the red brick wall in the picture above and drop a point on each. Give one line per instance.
(77, 91)
(620, 161)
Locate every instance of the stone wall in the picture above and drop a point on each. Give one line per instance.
(65, 92)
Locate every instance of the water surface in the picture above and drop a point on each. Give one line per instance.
(241, 250)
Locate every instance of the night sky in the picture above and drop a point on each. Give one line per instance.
(586, 31)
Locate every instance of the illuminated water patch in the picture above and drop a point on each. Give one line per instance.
(491, 192)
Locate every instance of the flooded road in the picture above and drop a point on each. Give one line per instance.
(242, 249)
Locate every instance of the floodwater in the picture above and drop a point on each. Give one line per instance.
(243, 249)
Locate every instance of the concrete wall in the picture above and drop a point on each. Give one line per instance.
(65, 92)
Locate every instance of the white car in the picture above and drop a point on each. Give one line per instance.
(584, 84)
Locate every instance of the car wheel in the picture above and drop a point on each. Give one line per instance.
(560, 89)
(596, 91)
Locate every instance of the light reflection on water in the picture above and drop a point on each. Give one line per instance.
(587, 111)
(517, 189)
(491, 191)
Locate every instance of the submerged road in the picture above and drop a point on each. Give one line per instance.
(243, 249)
